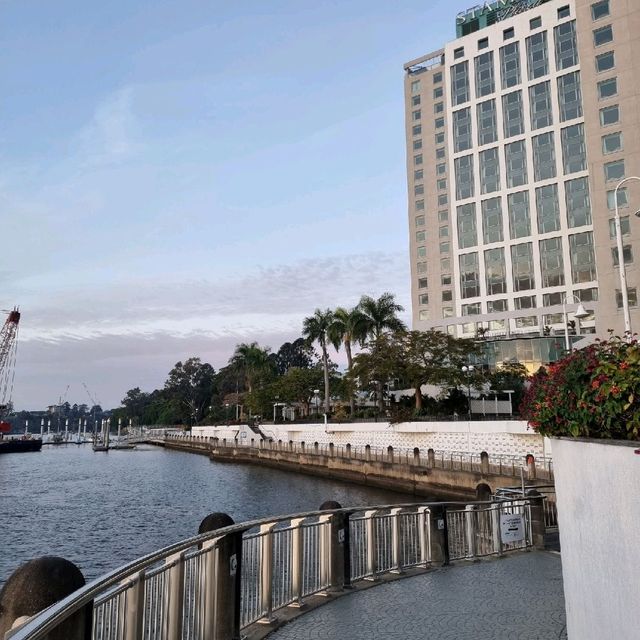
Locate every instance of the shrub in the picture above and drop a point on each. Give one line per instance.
(591, 393)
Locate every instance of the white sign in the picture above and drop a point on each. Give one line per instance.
(440, 523)
(511, 528)
(233, 565)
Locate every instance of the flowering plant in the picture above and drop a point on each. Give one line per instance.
(591, 393)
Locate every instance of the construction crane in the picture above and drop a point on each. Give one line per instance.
(8, 351)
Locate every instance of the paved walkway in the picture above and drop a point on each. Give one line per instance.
(516, 598)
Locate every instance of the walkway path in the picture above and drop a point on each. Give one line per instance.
(516, 598)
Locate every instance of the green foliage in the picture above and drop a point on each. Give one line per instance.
(315, 328)
(510, 376)
(592, 393)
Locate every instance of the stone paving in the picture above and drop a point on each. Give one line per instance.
(517, 598)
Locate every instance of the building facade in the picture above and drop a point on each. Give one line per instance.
(518, 132)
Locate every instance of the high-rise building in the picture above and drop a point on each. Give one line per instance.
(518, 133)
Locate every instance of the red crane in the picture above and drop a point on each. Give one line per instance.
(8, 349)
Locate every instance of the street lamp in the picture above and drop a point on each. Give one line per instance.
(468, 371)
(621, 266)
(580, 314)
(316, 394)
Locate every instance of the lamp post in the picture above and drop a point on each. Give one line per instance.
(468, 371)
(580, 313)
(316, 395)
(621, 266)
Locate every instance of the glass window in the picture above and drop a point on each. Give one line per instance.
(471, 309)
(544, 157)
(415, 101)
(583, 261)
(512, 114)
(443, 199)
(443, 216)
(440, 153)
(602, 35)
(439, 123)
(492, 220)
(437, 77)
(614, 170)
(423, 314)
(522, 265)
(441, 169)
(445, 264)
(439, 137)
(444, 247)
(423, 298)
(607, 88)
(626, 252)
(564, 12)
(610, 115)
(487, 123)
(418, 189)
(605, 61)
(443, 232)
(525, 302)
(574, 150)
(415, 115)
(566, 45)
(612, 142)
(419, 205)
(462, 139)
(489, 171)
(421, 267)
(419, 221)
(519, 218)
(552, 299)
(632, 297)
(483, 43)
(570, 96)
(441, 184)
(495, 271)
(537, 55)
(447, 312)
(485, 82)
(420, 236)
(447, 295)
(578, 202)
(623, 199)
(548, 208)
(540, 104)
(467, 232)
(497, 306)
(551, 262)
(508, 33)
(516, 164)
(416, 129)
(460, 83)
(415, 86)
(445, 279)
(526, 322)
(438, 92)
(418, 174)
(535, 23)
(587, 295)
(464, 177)
(458, 53)
(422, 252)
(417, 145)
(423, 283)
(438, 107)
(469, 275)
(600, 9)
(510, 65)
(417, 159)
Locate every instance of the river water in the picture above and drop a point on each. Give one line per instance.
(102, 510)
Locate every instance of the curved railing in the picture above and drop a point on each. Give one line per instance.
(215, 584)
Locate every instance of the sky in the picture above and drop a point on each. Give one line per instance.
(177, 177)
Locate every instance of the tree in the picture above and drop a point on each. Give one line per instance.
(511, 376)
(251, 361)
(189, 388)
(297, 385)
(299, 354)
(135, 402)
(315, 329)
(348, 326)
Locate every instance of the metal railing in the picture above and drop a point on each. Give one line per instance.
(223, 581)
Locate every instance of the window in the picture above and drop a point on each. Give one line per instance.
(623, 199)
(443, 216)
(445, 265)
(525, 302)
(512, 114)
(566, 45)
(415, 86)
(443, 232)
(614, 170)
(483, 43)
(489, 171)
(439, 138)
(423, 314)
(578, 202)
(626, 252)
(438, 107)
(570, 96)
(458, 53)
(469, 275)
(443, 199)
(522, 265)
(417, 145)
(439, 123)
(510, 65)
(447, 312)
(527, 322)
(437, 77)
(417, 160)
(444, 247)
(467, 232)
(438, 92)
(544, 157)
(419, 221)
(416, 130)
(445, 280)
(540, 104)
(605, 61)
(612, 142)
(419, 205)
(422, 252)
(447, 296)
(460, 83)
(583, 261)
(415, 101)
(607, 88)
(415, 115)
(441, 169)
(441, 184)
(552, 299)
(420, 236)
(418, 189)
(464, 177)
(508, 33)
(487, 123)
(516, 164)
(440, 153)
(574, 150)
(535, 23)
(600, 9)
(418, 174)
(495, 270)
(485, 82)
(462, 130)
(610, 115)
(492, 220)
(564, 12)
(423, 283)
(551, 262)
(632, 297)
(587, 295)
(548, 208)
(519, 219)
(421, 267)
(602, 35)
(537, 55)
(497, 306)
(423, 298)
(471, 309)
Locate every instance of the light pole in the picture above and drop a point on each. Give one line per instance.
(621, 266)
(580, 313)
(468, 371)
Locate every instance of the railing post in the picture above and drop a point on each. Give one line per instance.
(484, 463)
(325, 552)
(470, 521)
(431, 458)
(174, 604)
(495, 526)
(416, 456)
(266, 572)
(331, 449)
(134, 616)
(297, 560)
(390, 454)
(396, 540)
(424, 535)
(372, 546)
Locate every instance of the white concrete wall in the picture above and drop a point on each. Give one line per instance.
(508, 437)
(599, 520)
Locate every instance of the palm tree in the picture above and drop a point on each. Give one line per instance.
(348, 326)
(315, 328)
(380, 318)
(251, 361)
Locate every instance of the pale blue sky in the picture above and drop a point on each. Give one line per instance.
(177, 177)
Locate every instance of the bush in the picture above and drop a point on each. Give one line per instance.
(591, 393)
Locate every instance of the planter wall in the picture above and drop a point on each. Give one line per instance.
(597, 484)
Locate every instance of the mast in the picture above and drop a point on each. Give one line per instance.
(8, 350)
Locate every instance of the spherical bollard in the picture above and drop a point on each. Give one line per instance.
(37, 585)
(330, 505)
(214, 521)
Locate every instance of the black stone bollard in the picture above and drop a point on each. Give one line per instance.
(38, 584)
(339, 547)
(215, 520)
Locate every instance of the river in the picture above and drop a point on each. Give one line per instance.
(102, 510)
